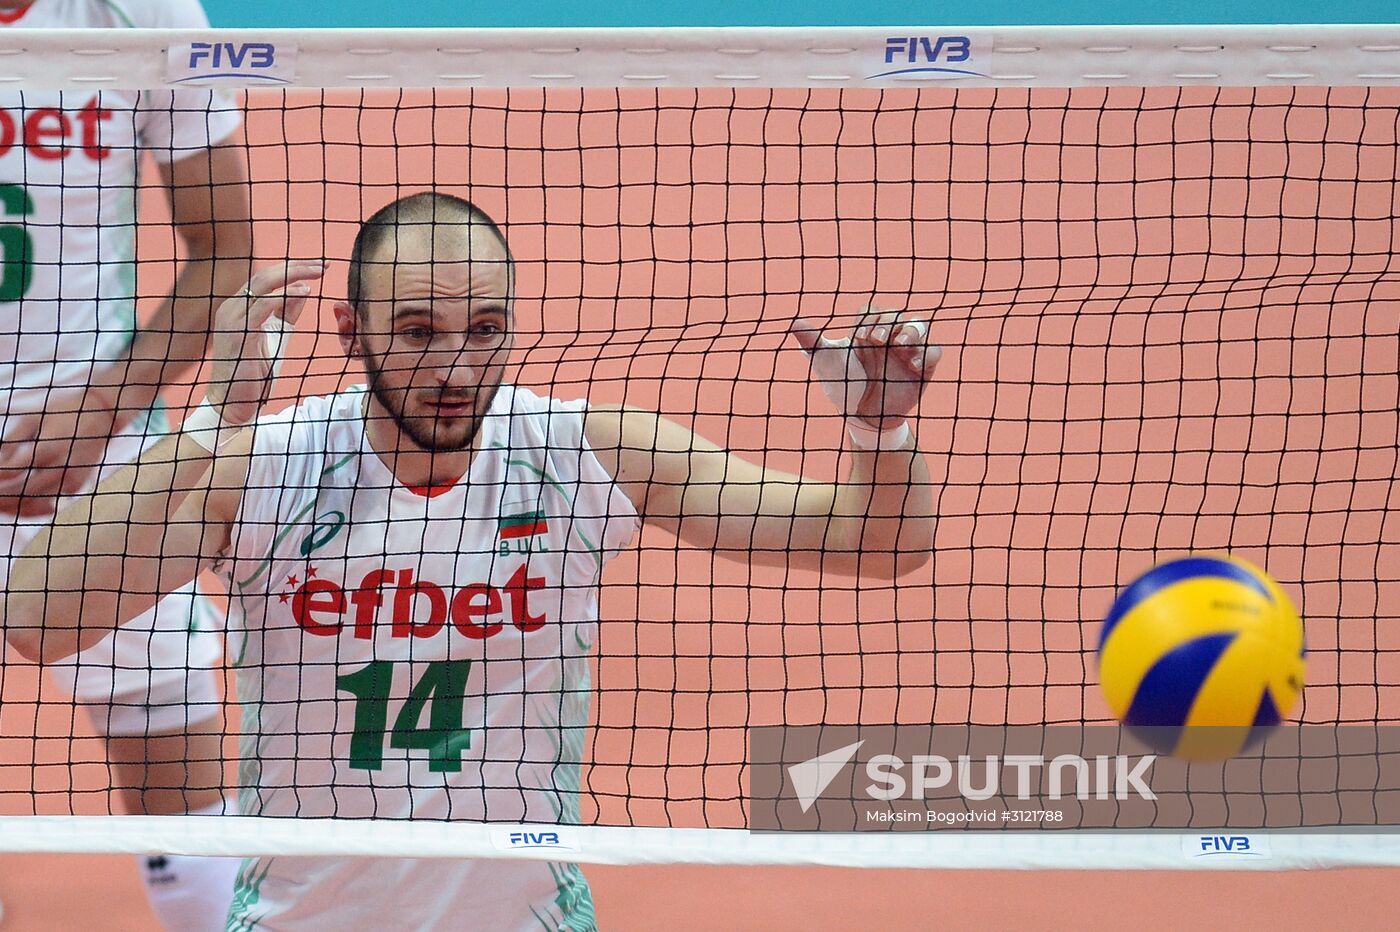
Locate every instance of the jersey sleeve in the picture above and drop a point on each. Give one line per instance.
(599, 496)
(174, 123)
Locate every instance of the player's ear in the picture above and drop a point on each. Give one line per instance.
(347, 328)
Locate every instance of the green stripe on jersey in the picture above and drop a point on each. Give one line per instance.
(292, 525)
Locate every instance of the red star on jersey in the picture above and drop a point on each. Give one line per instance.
(310, 572)
(291, 580)
(283, 598)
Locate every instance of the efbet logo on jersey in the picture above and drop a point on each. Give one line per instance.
(239, 64)
(928, 55)
(418, 608)
(518, 533)
(52, 134)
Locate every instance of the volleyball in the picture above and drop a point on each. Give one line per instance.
(1204, 640)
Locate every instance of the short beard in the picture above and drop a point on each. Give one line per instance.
(423, 432)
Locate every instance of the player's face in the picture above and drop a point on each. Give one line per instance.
(435, 332)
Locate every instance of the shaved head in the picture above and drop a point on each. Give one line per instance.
(428, 212)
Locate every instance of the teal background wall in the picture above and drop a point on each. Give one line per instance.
(267, 13)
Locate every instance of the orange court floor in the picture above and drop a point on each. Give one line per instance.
(43, 893)
(608, 324)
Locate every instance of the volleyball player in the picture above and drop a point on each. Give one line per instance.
(79, 387)
(413, 564)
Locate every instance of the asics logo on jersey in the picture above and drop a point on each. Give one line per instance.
(50, 133)
(477, 610)
(323, 531)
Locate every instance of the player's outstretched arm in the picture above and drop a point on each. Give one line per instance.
(877, 522)
(151, 527)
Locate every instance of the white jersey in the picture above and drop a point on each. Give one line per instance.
(68, 191)
(418, 654)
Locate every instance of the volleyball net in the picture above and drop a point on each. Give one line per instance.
(1162, 263)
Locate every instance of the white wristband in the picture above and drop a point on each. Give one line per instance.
(275, 332)
(868, 438)
(205, 427)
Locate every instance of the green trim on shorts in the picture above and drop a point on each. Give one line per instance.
(247, 891)
(574, 901)
(573, 897)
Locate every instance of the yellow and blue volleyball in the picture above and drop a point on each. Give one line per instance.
(1202, 656)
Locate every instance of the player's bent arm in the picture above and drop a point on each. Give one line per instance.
(878, 522)
(151, 527)
(110, 555)
(210, 207)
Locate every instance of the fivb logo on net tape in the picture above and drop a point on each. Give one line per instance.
(214, 63)
(1227, 846)
(927, 57)
(527, 837)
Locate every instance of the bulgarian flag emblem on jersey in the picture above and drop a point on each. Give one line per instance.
(524, 524)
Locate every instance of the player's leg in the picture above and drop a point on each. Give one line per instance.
(186, 893)
(170, 773)
(152, 690)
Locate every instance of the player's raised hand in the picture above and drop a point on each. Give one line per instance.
(877, 374)
(246, 343)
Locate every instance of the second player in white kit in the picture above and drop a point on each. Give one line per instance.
(69, 166)
(79, 386)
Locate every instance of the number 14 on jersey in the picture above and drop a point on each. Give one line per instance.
(442, 689)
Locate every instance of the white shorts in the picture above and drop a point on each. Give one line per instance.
(154, 675)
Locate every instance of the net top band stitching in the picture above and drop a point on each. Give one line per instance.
(881, 56)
